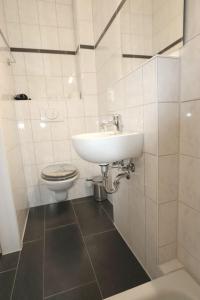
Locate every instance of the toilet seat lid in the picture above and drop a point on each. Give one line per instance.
(59, 172)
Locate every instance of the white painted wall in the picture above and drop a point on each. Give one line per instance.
(13, 200)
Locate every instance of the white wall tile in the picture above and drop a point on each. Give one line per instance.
(28, 11)
(168, 132)
(47, 13)
(60, 131)
(21, 85)
(61, 150)
(49, 37)
(38, 109)
(189, 230)
(133, 89)
(34, 64)
(41, 131)
(75, 107)
(150, 81)
(90, 105)
(137, 216)
(192, 264)
(151, 237)
(68, 64)
(25, 131)
(34, 196)
(52, 65)
(121, 211)
(66, 39)
(168, 79)
(22, 110)
(37, 87)
(151, 176)
(189, 189)
(87, 61)
(190, 124)
(167, 253)
(11, 10)
(89, 86)
(30, 36)
(192, 26)
(19, 67)
(54, 87)
(168, 184)
(77, 126)
(190, 70)
(167, 223)
(43, 152)
(86, 34)
(151, 128)
(64, 16)
(14, 35)
(28, 154)
(31, 175)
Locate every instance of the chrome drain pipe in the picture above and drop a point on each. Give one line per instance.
(126, 173)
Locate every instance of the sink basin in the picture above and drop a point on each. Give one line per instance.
(107, 147)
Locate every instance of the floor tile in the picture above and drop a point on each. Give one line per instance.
(29, 278)
(8, 261)
(108, 208)
(6, 284)
(58, 214)
(66, 261)
(115, 266)
(92, 218)
(35, 224)
(81, 200)
(88, 292)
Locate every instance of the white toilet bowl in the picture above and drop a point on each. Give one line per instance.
(59, 178)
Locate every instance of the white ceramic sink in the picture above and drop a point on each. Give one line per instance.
(107, 147)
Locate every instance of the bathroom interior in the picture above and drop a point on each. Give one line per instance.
(99, 149)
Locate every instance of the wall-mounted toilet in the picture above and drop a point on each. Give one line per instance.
(59, 178)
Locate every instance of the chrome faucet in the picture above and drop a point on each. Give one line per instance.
(116, 121)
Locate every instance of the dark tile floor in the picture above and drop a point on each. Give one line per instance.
(72, 251)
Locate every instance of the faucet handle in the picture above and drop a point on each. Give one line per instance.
(117, 121)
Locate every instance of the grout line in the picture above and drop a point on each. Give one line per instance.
(99, 233)
(71, 289)
(168, 244)
(43, 265)
(9, 270)
(32, 241)
(189, 156)
(189, 206)
(61, 226)
(107, 214)
(180, 244)
(14, 281)
(87, 252)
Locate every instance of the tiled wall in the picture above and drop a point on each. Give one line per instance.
(11, 138)
(189, 190)
(102, 13)
(40, 24)
(52, 83)
(167, 23)
(147, 98)
(148, 27)
(149, 200)
(136, 27)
